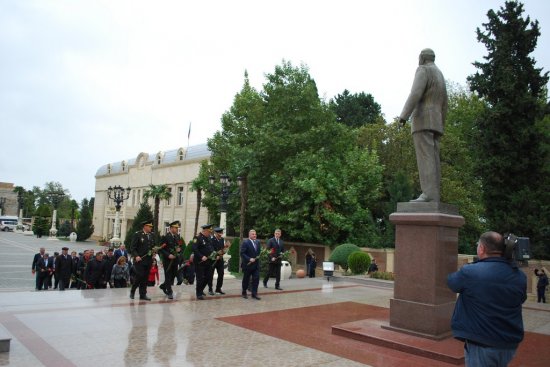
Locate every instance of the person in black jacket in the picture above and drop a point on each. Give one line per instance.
(95, 272)
(218, 243)
(275, 250)
(542, 283)
(37, 257)
(142, 255)
(202, 249)
(64, 268)
(109, 261)
(170, 244)
(74, 269)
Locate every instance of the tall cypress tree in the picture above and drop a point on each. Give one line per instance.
(144, 213)
(84, 228)
(511, 157)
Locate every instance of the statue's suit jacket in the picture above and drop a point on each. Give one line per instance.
(427, 101)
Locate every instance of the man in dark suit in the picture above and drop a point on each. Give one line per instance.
(202, 250)
(37, 257)
(250, 263)
(64, 268)
(121, 251)
(170, 249)
(142, 246)
(275, 250)
(76, 264)
(44, 270)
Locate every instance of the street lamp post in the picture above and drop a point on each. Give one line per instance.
(55, 197)
(118, 194)
(2, 202)
(224, 195)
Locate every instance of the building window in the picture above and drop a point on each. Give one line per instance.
(159, 158)
(169, 200)
(108, 169)
(180, 195)
(123, 166)
(181, 154)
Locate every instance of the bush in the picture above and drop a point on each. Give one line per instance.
(385, 275)
(359, 262)
(235, 253)
(341, 253)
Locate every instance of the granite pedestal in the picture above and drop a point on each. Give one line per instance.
(426, 250)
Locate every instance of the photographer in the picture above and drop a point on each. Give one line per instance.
(542, 283)
(487, 315)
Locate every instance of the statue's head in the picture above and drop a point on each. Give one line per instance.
(426, 55)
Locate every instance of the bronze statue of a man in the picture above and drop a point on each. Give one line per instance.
(427, 103)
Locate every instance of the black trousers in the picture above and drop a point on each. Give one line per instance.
(141, 271)
(274, 270)
(218, 267)
(170, 270)
(64, 281)
(253, 273)
(202, 272)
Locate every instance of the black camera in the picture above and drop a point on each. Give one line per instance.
(516, 248)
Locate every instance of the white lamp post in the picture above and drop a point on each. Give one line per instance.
(118, 194)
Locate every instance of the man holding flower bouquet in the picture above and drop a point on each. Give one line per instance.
(202, 250)
(142, 253)
(250, 263)
(275, 254)
(169, 251)
(218, 242)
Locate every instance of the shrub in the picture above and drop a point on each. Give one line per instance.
(359, 262)
(385, 275)
(341, 253)
(235, 253)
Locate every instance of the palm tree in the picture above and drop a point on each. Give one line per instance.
(158, 193)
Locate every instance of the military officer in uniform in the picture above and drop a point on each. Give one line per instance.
(202, 250)
(218, 242)
(169, 251)
(142, 246)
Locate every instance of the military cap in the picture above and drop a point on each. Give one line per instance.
(175, 223)
(65, 248)
(218, 229)
(207, 226)
(147, 223)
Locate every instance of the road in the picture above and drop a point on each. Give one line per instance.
(16, 254)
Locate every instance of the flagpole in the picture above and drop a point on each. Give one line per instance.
(188, 134)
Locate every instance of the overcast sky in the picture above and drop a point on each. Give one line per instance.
(86, 83)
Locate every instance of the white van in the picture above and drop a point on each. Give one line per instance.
(8, 223)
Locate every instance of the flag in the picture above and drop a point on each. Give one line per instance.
(189, 133)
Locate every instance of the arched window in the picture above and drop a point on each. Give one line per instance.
(159, 158)
(109, 169)
(123, 166)
(181, 154)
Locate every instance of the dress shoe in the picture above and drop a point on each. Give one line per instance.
(132, 295)
(220, 292)
(265, 284)
(144, 298)
(245, 296)
(163, 287)
(211, 293)
(201, 298)
(170, 296)
(256, 297)
(279, 288)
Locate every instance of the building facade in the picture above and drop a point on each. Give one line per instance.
(9, 199)
(175, 168)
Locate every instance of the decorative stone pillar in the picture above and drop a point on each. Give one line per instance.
(426, 251)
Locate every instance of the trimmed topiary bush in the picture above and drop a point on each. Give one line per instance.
(359, 262)
(341, 253)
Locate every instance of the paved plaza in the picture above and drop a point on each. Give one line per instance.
(285, 328)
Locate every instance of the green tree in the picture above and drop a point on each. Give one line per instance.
(84, 228)
(158, 193)
(234, 251)
(355, 110)
(359, 262)
(143, 214)
(515, 182)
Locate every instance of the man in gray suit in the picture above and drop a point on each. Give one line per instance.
(427, 103)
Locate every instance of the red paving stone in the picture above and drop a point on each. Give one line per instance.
(312, 327)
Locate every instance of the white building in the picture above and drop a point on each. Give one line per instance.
(175, 168)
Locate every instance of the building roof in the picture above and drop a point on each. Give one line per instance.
(160, 158)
